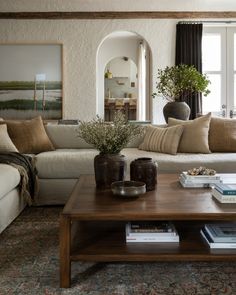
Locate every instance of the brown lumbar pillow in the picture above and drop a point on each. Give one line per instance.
(195, 134)
(6, 144)
(163, 140)
(29, 136)
(222, 135)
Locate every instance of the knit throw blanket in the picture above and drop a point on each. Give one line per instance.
(25, 165)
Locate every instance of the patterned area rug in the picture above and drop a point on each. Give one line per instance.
(29, 264)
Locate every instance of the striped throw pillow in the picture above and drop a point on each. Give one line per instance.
(163, 140)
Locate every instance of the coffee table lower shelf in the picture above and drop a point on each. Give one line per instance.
(105, 242)
(110, 245)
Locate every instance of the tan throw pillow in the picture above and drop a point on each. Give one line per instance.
(6, 144)
(29, 136)
(163, 140)
(222, 135)
(195, 134)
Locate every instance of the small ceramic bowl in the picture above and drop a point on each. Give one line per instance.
(128, 189)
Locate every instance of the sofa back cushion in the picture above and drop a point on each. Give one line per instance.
(163, 140)
(222, 135)
(65, 136)
(195, 134)
(6, 144)
(29, 136)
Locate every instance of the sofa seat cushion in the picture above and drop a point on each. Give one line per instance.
(9, 179)
(221, 162)
(71, 163)
(65, 163)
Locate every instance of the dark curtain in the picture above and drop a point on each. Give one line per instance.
(189, 51)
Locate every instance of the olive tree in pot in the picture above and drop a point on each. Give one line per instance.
(175, 84)
(109, 138)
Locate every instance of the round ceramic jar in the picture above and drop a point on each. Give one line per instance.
(145, 170)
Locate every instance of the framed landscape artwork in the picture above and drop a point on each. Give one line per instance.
(31, 81)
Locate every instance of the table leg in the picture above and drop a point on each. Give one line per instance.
(65, 245)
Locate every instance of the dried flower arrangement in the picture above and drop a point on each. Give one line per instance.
(201, 171)
(109, 138)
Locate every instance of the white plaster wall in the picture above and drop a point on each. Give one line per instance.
(81, 39)
(119, 67)
(109, 5)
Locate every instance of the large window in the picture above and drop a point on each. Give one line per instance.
(219, 63)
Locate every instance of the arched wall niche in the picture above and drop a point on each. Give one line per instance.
(117, 44)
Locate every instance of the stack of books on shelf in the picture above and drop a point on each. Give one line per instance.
(145, 231)
(220, 235)
(224, 193)
(199, 180)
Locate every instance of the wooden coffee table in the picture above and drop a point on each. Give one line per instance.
(92, 224)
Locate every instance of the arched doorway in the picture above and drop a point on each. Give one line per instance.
(122, 48)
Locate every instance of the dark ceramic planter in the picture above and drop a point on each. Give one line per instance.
(109, 168)
(177, 110)
(145, 170)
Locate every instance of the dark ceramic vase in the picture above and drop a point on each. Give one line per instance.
(176, 109)
(109, 168)
(145, 170)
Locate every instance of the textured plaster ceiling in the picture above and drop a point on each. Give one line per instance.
(116, 5)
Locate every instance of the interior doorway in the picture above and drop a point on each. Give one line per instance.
(121, 88)
(123, 79)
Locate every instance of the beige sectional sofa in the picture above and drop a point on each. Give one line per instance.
(11, 204)
(60, 169)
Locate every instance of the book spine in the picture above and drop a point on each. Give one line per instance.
(152, 234)
(223, 198)
(153, 239)
(210, 177)
(127, 229)
(225, 191)
(217, 239)
(193, 185)
(212, 229)
(207, 181)
(223, 201)
(157, 231)
(214, 181)
(134, 229)
(215, 191)
(217, 245)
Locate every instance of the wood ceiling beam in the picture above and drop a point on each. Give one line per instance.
(119, 15)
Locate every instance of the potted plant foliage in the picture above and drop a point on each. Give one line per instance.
(109, 139)
(175, 84)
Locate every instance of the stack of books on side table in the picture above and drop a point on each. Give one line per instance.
(145, 231)
(220, 235)
(198, 180)
(224, 193)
